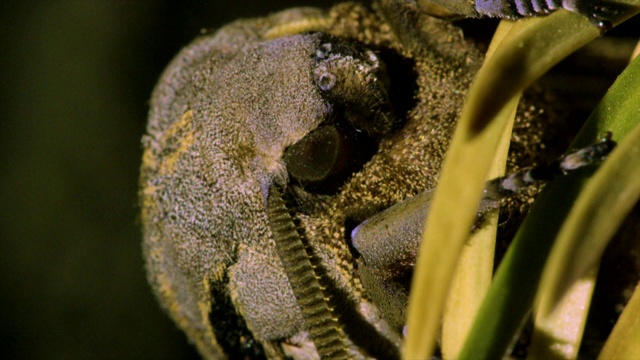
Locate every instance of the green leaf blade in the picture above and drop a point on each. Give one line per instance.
(606, 200)
(473, 147)
(512, 293)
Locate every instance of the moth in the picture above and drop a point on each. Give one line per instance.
(272, 143)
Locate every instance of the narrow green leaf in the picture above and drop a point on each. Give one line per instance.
(624, 341)
(437, 259)
(474, 271)
(526, 52)
(597, 214)
(511, 295)
(558, 337)
(468, 287)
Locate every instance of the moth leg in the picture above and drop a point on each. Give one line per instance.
(387, 243)
(594, 10)
(506, 186)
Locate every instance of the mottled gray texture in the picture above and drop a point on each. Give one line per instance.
(203, 206)
(223, 114)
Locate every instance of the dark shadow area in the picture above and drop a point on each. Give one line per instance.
(233, 336)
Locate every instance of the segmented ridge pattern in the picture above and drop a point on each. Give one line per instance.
(324, 329)
(514, 9)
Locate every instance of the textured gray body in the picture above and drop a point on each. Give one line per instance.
(223, 114)
(212, 225)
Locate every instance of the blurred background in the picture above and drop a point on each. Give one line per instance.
(75, 80)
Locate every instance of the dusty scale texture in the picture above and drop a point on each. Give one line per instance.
(224, 114)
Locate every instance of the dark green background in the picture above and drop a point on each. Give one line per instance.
(75, 79)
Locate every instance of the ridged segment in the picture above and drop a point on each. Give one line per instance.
(324, 329)
(514, 9)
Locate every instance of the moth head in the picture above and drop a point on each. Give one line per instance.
(249, 118)
(354, 82)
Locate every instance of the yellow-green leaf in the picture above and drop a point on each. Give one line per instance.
(624, 341)
(475, 268)
(511, 295)
(529, 49)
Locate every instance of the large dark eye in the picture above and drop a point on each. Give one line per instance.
(369, 100)
(326, 157)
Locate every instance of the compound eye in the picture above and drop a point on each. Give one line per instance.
(316, 156)
(326, 157)
(354, 80)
